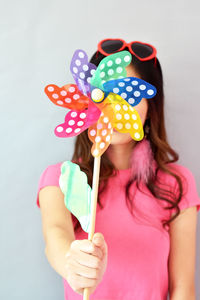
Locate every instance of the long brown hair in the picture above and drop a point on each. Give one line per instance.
(162, 151)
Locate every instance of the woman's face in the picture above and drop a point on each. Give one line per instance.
(142, 108)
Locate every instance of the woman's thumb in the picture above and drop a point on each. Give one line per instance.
(99, 241)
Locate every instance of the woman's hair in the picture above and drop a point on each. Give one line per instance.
(162, 152)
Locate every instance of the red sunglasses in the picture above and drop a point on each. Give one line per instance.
(141, 50)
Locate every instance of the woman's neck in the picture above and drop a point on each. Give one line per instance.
(120, 154)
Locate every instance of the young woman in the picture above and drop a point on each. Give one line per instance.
(144, 245)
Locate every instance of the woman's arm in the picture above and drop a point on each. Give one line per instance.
(181, 262)
(57, 227)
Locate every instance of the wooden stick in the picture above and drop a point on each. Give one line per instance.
(95, 185)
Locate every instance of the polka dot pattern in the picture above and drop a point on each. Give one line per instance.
(67, 96)
(100, 135)
(76, 121)
(126, 118)
(110, 68)
(82, 70)
(131, 89)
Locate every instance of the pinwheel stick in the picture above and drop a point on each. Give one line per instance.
(95, 185)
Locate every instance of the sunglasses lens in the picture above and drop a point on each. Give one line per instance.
(142, 50)
(111, 46)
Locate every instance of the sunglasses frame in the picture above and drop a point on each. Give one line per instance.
(128, 45)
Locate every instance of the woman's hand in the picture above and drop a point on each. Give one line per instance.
(86, 263)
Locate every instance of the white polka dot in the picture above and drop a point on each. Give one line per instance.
(50, 88)
(97, 139)
(55, 96)
(118, 116)
(85, 67)
(82, 115)
(134, 117)
(68, 100)
(126, 116)
(118, 60)
(142, 87)
(128, 125)
(126, 58)
(131, 108)
(105, 120)
(119, 70)
(76, 96)
(102, 66)
(104, 132)
(129, 88)
(137, 135)
(102, 145)
(71, 89)
(99, 126)
(73, 114)
(92, 71)
(150, 92)
(92, 132)
(78, 62)
(121, 84)
(110, 72)
(81, 54)
(115, 90)
(77, 130)
(109, 125)
(71, 122)
(134, 82)
(95, 152)
(127, 79)
(59, 128)
(125, 107)
(135, 125)
(68, 130)
(75, 70)
(117, 107)
(107, 138)
(88, 79)
(60, 102)
(63, 93)
(123, 95)
(119, 125)
(131, 100)
(109, 63)
(136, 93)
(82, 75)
(80, 123)
(102, 74)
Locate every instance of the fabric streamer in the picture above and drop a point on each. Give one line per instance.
(102, 99)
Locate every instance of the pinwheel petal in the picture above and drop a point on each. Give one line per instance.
(67, 96)
(77, 121)
(82, 70)
(100, 134)
(131, 89)
(124, 117)
(111, 67)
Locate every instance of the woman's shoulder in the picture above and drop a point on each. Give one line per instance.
(179, 169)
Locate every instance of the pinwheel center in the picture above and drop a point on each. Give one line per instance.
(97, 95)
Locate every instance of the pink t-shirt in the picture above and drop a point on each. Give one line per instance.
(138, 247)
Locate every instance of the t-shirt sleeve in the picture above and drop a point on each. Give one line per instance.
(190, 195)
(49, 177)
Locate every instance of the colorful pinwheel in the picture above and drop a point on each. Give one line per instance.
(102, 99)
